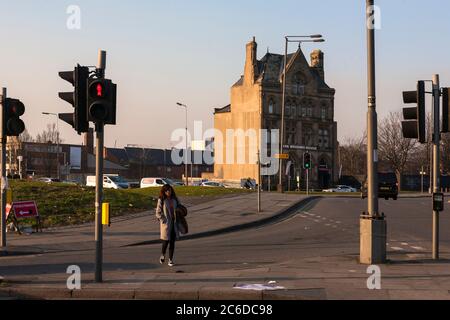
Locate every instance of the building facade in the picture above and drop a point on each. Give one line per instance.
(256, 101)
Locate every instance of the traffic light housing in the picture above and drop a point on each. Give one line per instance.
(78, 78)
(101, 104)
(445, 110)
(13, 109)
(307, 160)
(414, 125)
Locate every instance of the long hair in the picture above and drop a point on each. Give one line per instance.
(162, 193)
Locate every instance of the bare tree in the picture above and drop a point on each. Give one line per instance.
(353, 156)
(26, 136)
(394, 149)
(49, 135)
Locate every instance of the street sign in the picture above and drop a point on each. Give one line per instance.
(25, 209)
(282, 156)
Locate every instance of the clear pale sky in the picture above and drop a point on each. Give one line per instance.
(161, 52)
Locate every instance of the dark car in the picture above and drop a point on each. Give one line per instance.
(387, 186)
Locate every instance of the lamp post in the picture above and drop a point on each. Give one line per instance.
(57, 142)
(185, 154)
(299, 40)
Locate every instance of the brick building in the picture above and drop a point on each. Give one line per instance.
(256, 100)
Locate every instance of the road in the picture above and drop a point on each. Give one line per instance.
(315, 250)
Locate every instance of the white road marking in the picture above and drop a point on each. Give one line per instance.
(397, 249)
(418, 248)
(328, 224)
(338, 222)
(405, 244)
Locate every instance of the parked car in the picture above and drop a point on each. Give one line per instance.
(155, 182)
(341, 188)
(110, 181)
(212, 184)
(48, 180)
(387, 186)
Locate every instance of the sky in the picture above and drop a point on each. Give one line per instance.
(160, 52)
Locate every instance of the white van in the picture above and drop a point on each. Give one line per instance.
(110, 181)
(155, 182)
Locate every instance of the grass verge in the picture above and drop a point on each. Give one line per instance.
(61, 204)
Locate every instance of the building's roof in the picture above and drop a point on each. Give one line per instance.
(119, 155)
(107, 165)
(225, 109)
(270, 68)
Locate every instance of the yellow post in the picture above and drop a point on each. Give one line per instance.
(105, 214)
(9, 196)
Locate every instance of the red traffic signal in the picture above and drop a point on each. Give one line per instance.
(101, 105)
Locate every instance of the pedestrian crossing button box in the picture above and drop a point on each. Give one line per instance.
(438, 201)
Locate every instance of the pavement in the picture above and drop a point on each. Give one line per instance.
(307, 246)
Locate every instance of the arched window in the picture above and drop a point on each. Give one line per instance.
(271, 107)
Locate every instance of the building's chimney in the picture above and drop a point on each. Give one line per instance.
(317, 62)
(89, 141)
(250, 63)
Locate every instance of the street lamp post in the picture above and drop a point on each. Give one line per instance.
(186, 152)
(373, 227)
(299, 40)
(57, 142)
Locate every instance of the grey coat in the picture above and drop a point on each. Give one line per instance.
(166, 222)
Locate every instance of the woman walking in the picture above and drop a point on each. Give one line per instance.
(166, 214)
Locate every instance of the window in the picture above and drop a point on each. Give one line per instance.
(271, 107)
(290, 133)
(324, 138)
(324, 113)
(299, 89)
(307, 136)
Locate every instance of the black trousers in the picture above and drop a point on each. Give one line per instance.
(166, 243)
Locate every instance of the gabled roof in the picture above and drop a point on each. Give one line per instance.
(270, 68)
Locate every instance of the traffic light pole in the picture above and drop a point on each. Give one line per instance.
(372, 225)
(99, 128)
(436, 163)
(3, 173)
(307, 182)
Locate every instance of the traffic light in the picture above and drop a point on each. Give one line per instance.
(445, 110)
(414, 126)
(78, 78)
(101, 106)
(13, 126)
(307, 160)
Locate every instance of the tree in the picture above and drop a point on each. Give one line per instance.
(393, 148)
(26, 136)
(353, 156)
(50, 135)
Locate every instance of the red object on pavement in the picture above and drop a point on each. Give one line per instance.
(25, 209)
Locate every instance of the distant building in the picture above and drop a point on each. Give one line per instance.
(78, 161)
(256, 100)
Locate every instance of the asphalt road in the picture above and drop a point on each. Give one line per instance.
(321, 239)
